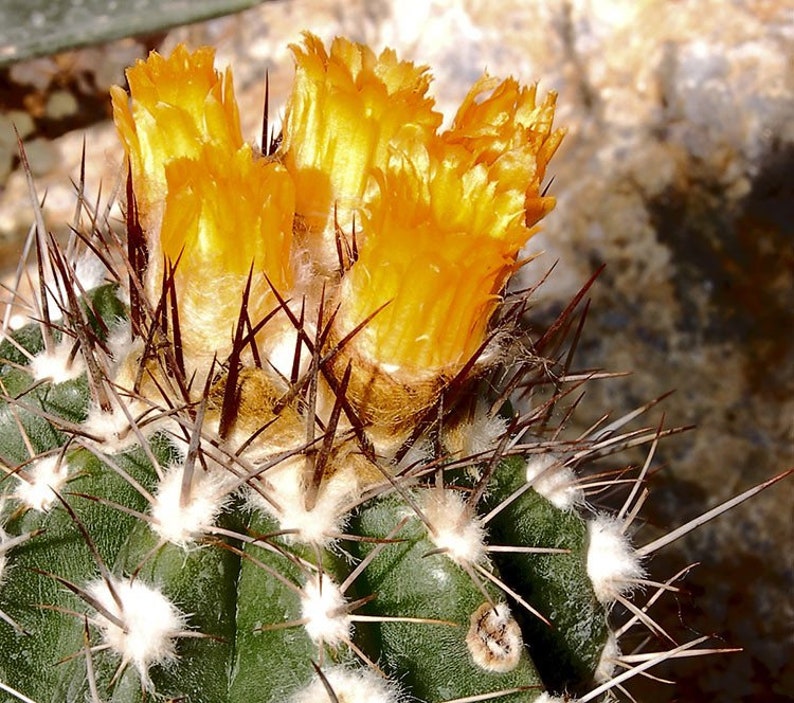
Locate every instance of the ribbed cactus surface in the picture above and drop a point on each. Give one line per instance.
(284, 437)
(402, 586)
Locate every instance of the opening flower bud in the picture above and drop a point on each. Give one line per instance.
(226, 216)
(177, 104)
(212, 209)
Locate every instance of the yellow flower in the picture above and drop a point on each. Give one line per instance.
(225, 215)
(178, 104)
(348, 107)
(441, 235)
(508, 129)
(440, 239)
(209, 206)
(441, 217)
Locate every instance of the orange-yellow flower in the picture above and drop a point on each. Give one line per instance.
(178, 104)
(510, 130)
(225, 215)
(209, 206)
(442, 217)
(348, 107)
(440, 239)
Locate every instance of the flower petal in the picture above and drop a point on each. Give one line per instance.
(348, 107)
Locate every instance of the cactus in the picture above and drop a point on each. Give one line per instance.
(285, 438)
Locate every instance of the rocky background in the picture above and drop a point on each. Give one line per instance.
(677, 172)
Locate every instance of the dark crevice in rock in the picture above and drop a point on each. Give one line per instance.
(734, 267)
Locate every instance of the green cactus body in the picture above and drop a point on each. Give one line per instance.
(273, 649)
(460, 617)
(568, 650)
(242, 630)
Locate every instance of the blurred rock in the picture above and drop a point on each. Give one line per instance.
(55, 102)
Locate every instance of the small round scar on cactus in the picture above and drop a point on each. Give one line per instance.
(283, 434)
(494, 638)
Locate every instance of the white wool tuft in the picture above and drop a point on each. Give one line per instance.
(456, 528)
(151, 624)
(15, 322)
(183, 524)
(608, 661)
(555, 482)
(121, 344)
(612, 562)
(285, 483)
(475, 437)
(113, 430)
(323, 609)
(349, 686)
(418, 453)
(484, 433)
(56, 366)
(90, 271)
(47, 477)
(280, 345)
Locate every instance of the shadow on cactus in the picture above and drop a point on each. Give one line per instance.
(286, 438)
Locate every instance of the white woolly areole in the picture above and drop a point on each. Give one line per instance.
(15, 322)
(183, 524)
(612, 562)
(417, 454)
(349, 686)
(494, 638)
(323, 609)
(478, 436)
(56, 365)
(485, 432)
(47, 477)
(151, 624)
(548, 698)
(89, 271)
(113, 429)
(285, 483)
(556, 483)
(608, 661)
(121, 343)
(456, 528)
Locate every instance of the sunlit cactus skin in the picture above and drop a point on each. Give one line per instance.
(274, 505)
